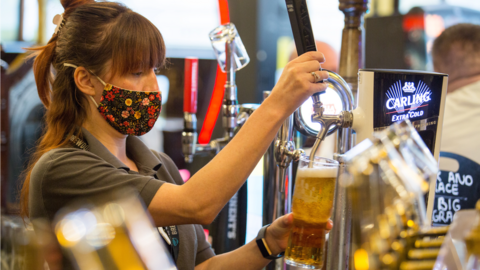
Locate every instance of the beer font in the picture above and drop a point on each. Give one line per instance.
(231, 56)
(378, 99)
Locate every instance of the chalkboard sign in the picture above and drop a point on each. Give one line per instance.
(455, 191)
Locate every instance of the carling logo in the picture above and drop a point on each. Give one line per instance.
(409, 87)
(408, 97)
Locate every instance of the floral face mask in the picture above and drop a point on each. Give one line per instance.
(128, 112)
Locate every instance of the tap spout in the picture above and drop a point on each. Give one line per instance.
(330, 123)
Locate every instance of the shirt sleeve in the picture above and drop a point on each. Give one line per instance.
(170, 166)
(66, 174)
(204, 250)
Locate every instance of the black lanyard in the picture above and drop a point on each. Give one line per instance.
(172, 231)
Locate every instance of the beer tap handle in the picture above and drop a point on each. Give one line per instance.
(190, 85)
(189, 134)
(301, 26)
(303, 33)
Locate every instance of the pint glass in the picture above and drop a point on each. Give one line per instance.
(312, 206)
(219, 37)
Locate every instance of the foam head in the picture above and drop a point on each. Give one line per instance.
(324, 172)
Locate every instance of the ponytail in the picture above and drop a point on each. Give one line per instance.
(41, 68)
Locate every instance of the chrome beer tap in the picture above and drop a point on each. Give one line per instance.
(339, 240)
(277, 190)
(285, 153)
(305, 42)
(231, 56)
(330, 123)
(338, 250)
(189, 134)
(283, 149)
(278, 182)
(229, 107)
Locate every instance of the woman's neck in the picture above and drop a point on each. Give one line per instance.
(108, 136)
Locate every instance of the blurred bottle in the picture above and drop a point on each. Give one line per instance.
(472, 241)
(20, 247)
(112, 232)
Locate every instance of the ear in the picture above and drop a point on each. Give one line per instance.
(84, 81)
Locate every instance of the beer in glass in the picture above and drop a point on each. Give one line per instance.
(312, 206)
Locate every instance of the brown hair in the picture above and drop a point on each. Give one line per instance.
(457, 51)
(93, 34)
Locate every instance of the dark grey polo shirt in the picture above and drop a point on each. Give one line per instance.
(65, 174)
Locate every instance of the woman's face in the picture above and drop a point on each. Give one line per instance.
(141, 80)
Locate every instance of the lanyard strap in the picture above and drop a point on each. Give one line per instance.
(171, 231)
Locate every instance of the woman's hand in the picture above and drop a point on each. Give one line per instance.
(249, 256)
(297, 83)
(277, 234)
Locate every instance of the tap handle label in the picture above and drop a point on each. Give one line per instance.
(400, 96)
(301, 26)
(190, 85)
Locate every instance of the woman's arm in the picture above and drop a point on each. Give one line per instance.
(249, 256)
(206, 193)
(244, 258)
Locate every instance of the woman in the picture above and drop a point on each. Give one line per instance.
(104, 57)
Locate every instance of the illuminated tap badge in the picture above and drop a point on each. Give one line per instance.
(407, 101)
(403, 94)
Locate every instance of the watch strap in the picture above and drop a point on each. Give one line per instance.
(263, 246)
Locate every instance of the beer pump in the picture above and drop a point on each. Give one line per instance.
(384, 97)
(189, 134)
(338, 246)
(229, 228)
(231, 56)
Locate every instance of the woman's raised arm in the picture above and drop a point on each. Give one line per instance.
(200, 199)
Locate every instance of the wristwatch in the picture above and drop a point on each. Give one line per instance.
(262, 245)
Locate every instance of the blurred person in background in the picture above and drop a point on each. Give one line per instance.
(103, 93)
(331, 56)
(456, 52)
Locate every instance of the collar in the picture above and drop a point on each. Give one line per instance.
(136, 150)
(461, 83)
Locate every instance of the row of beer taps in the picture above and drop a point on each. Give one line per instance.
(342, 239)
(231, 56)
(283, 150)
(230, 121)
(385, 182)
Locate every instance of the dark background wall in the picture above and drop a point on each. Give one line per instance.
(260, 23)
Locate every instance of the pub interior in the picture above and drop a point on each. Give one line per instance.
(240, 134)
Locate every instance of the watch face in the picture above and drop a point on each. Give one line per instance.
(332, 104)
